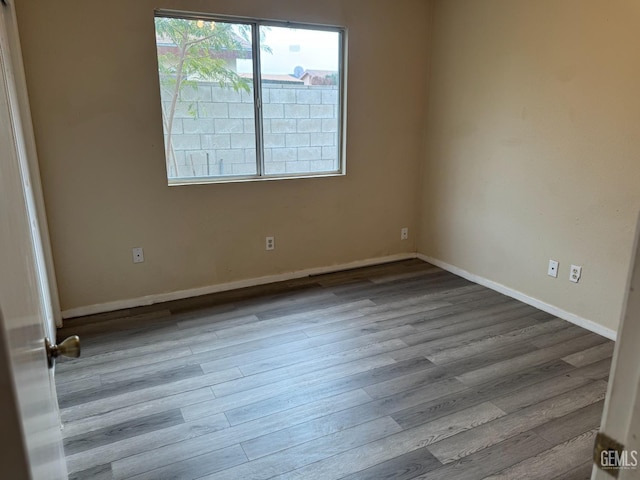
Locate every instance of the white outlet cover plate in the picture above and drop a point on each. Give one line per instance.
(575, 273)
(553, 268)
(270, 243)
(138, 255)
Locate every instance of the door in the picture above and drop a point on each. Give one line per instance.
(31, 439)
(618, 444)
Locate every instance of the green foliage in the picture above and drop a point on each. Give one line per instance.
(192, 51)
(332, 79)
(197, 50)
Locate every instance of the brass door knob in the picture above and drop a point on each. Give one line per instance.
(69, 347)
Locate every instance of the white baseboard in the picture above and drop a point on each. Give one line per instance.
(251, 282)
(534, 302)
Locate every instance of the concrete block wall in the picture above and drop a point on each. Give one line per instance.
(214, 130)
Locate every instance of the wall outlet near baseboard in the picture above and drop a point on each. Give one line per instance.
(404, 233)
(552, 271)
(575, 273)
(138, 255)
(270, 243)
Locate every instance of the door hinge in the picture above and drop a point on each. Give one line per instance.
(608, 454)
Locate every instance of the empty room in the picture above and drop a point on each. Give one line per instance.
(342, 239)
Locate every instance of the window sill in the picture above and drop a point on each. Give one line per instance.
(249, 178)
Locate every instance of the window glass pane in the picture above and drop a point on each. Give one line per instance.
(207, 98)
(300, 90)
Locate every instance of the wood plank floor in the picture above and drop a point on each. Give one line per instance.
(400, 371)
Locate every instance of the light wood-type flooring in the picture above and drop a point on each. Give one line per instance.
(399, 371)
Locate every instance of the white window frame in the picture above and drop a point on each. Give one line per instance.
(256, 23)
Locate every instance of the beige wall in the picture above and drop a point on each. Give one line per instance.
(93, 87)
(532, 150)
(534, 146)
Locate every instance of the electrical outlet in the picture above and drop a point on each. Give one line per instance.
(575, 273)
(270, 243)
(552, 271)
(404, 233)
(138, 255)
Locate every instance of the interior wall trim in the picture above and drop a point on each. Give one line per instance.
(534, 302)
(223, 287)
(281, 277)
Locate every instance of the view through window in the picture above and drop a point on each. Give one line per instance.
(221, 121)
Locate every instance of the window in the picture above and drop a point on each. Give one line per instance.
(224, 122)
